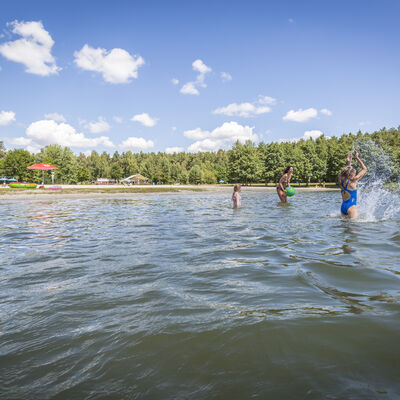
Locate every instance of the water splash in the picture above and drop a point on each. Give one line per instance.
(379, 194)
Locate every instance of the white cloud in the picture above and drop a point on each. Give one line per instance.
(175, 81)
(34, 149)
(242, 110)
(145, 119)
(116, 65)
(325, 111)
(20, 141)
(300, 115)
(226, 77)
(6, 117)
(172, 150)
(247, 110)
(199, 66)
(314, 134)
(55, 117)
(220, 137)
(136, 144)
(117, 119)
(46, 132)
(189, 88)
(205, 145)
(266, 100)
(192, 87)
(33, 50)
(101, 125)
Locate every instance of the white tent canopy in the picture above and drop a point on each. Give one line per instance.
(137, 178)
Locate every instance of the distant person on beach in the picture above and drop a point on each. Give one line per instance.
(284, 183)
(348, 180)
(236, 196)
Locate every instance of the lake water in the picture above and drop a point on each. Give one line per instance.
(178, 296)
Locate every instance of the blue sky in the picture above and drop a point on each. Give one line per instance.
(192, 76)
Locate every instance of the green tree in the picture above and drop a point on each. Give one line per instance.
(3, 151)
(116, 171)
(244, 163)
(196, 175)
(16, 163)
(209, 177)
(64, 159)
(129, 164)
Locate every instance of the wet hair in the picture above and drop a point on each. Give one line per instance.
(287, 169)
(345, 174)
(237, 187)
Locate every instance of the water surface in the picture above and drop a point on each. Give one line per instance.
(177, 296)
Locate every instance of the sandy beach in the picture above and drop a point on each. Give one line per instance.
(86, 191)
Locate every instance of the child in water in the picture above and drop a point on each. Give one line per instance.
(348, 180)
(284, 182)
(236, 196)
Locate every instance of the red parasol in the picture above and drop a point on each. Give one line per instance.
(42, 167)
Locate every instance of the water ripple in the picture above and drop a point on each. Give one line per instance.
(178, 296)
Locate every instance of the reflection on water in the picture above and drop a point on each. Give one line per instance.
(177, 296)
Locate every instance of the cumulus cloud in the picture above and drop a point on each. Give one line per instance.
(175, 81)
(247, 109)
(46, 132)
(20, 141)
(33, 50)
(314, 134)
(220, 137)
(118, 119)
(325, 111)
(144, 119)
(226, 77)
(189, 88)
(55, 117)
(136, 144)
(172, 150)
(192, 87)
(6, 117)
(101, 125)
(116, 65)
(301, 115)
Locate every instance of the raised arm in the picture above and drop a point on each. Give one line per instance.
(349, 158)
(364, 168)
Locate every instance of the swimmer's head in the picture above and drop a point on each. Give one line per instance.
(288, 169)
(237, 188)
(346, 174)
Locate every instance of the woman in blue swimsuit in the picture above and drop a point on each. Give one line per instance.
(348, 180)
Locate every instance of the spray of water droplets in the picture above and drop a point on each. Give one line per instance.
(379, 195)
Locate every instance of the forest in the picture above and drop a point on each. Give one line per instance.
(317, 160)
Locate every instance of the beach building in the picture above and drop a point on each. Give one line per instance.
(137, 179)
(104, 181)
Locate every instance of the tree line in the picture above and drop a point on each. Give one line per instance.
(313, 161)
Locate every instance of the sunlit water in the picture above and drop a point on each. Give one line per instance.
(178, 296)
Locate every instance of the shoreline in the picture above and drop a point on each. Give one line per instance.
(90, 191)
